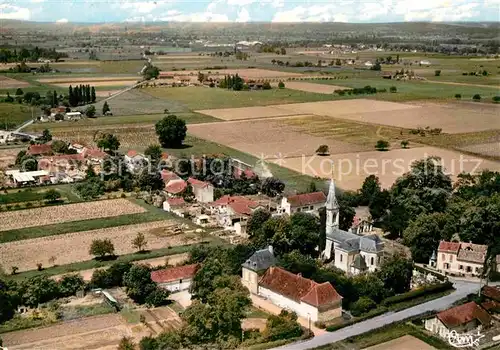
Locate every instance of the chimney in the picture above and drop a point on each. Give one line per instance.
(270, 248)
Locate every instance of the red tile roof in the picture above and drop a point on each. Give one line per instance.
(449, 247)
(298, 288)
(176, 186)
(167, 175)
(490, 305)
(249, 174)
(176, 201)
(132, 153)
(40, 149)
(94, 153)
(463, 314)
(197, 183)
(491, 292)
(174, 273)
(307, 199)
(241, 207)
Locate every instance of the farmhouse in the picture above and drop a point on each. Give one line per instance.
(255, 266)
(307, 202)
(460, 258)
(349, 252)
(230, 210)
(39, 150)
(175, 205)
(175, 279)
(203, 191)
(465, 318)
(134, 161)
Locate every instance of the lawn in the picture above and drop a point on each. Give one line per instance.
(196, 98)
(415, 90)
(37, 194)
(12, 114)
(294, 181)
(153, 214)
(188, 117)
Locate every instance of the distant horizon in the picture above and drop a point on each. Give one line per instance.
(250, 11)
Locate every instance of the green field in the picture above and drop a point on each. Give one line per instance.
(196, 98)
(415, 90)
(188, 117)
(37, 194)
(14, 113)
(153, 214)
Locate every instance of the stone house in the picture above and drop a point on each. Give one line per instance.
(175, 279)
(203, 191)
(460, 258)
(306, 203)
(464, 318)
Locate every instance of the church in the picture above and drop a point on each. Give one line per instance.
(348, 251)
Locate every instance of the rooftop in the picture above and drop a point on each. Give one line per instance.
(40, 149)
(176, 201)
(307, 199)
(491, 292)
(197, 183)
(298, 288)
(260, 260)
(462, 314)
(453, 247)
(174, 273)
(175, 186)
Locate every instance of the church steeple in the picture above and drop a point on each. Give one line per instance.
(331, 199)
(332, 210)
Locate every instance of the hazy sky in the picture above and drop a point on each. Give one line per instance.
(250, 10)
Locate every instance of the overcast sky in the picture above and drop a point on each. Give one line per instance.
(250, 10)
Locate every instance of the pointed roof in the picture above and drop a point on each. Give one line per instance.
(331, 199)
(463, 314)
(359, 262)
(260, 260)
(322, 294)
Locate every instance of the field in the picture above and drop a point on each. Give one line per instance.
(406, 342)
(8, 156)
(244, 73)
(26, 254)
(311, 87)
(488, 149)
(352, 168)
(107, 84)
(269, 138)
(453, 117)
(13, 114)
(64, 213)
(9, 83)
(84, 80)
(195, 98)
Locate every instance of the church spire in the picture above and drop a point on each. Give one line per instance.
(331, 199)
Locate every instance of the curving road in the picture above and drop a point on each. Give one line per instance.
(463, 288)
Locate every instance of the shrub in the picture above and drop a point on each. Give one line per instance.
(437, 73)
(413, 294)
(382, 145)
(323, 150)
(266, 86)
(281, 85)
(496, 99)
(362, 305)
(476, 97)
(393, 89)
(458, 96)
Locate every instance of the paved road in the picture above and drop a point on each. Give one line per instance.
(462, 289)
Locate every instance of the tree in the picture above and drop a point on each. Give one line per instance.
(157, 297)
(70, 284)
(105, 108)
(9, 99)
(282, 326)
(154, 153)
(171, 340)
(256, 221)
(379, 205)
(101, 248)
(38, 290)
(202, 285)
(139, 242)
(126, 343)
(393, 89)
(376, 66)
(382, 145)
(396, 272)
(362, 305)
(346, 215)
(9, 300)
(150, 343)
(272, 186)
(437, 73)
(323, 150)
(369, 190)
(52, 196)
(281, 85)
(60, 146)
(149, 181)
(90, 111)
(46, 136)
(151, 72)
(171, 131)
(423, 235)
(458, 96)
(496, 99)
(108, 142)
(201, 77)
(91, 188)
(138, 283)
(93, 95)
(19, 92)
(476, 97)
(266, 86)
(111, 277)
(404, 144)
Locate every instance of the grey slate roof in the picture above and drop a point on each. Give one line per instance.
(359, 262)
(260, 260)
(342, 236)
(371, 244)
(350, 245)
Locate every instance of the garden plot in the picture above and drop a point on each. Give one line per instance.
(487, 149)
(406, 342)
(73, 247)
(246, 112)
(9, 83)
(351, 169)
(311, 87)
(63, 213)
(268, 138)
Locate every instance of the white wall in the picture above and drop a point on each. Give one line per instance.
(302, 309)
(455, 264)
(177, 285)
(368, 259)
(205, 194)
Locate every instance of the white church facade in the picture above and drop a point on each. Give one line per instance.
(348, 251)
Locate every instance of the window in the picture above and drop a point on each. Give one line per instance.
(180, 281)
(298, 209)
(451, 258)
(340, 257)
(461, 267)
(372, 260)
(443, 256)
(311, 207)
